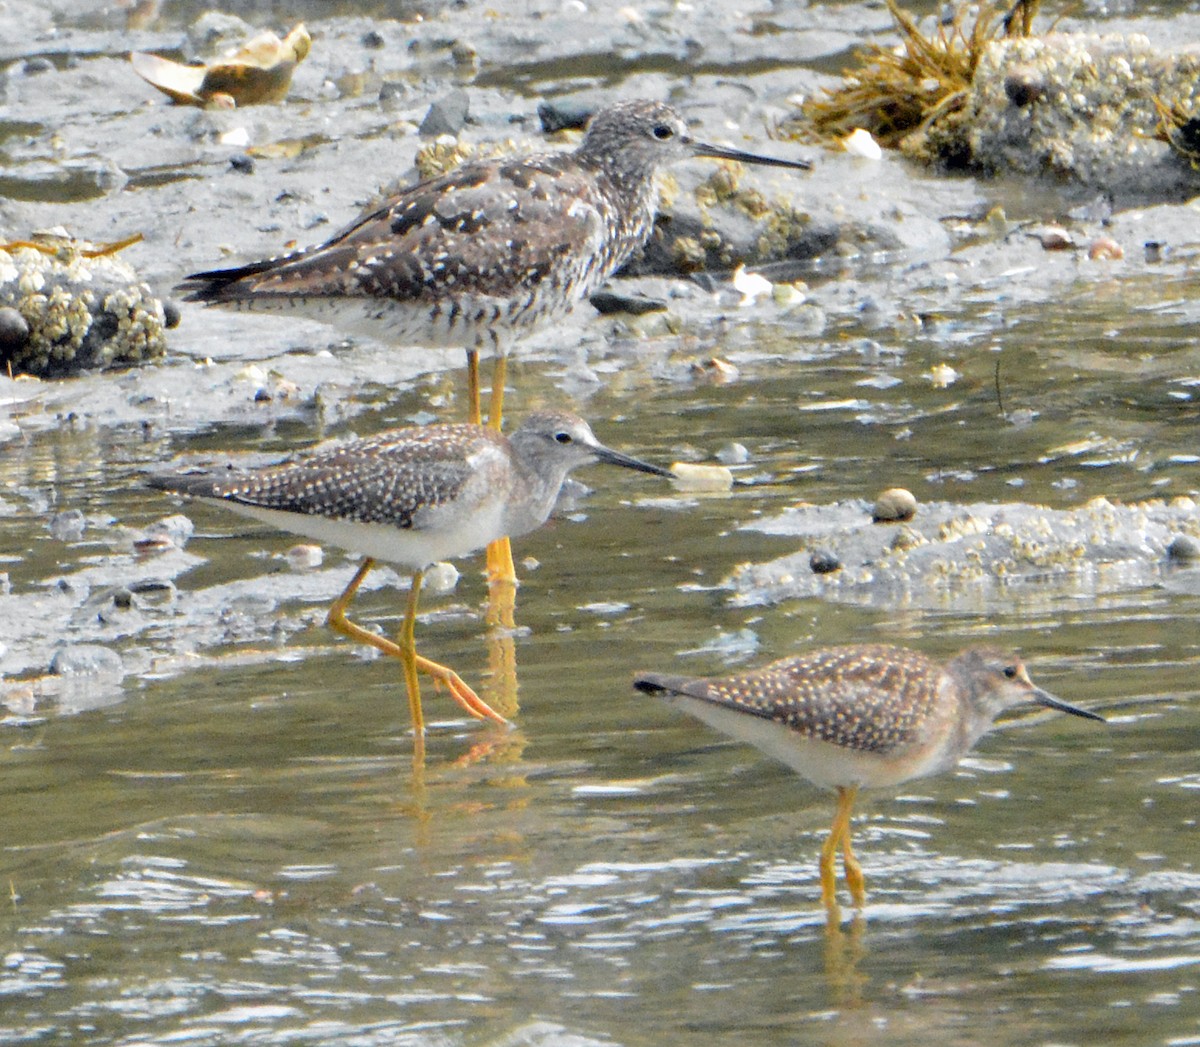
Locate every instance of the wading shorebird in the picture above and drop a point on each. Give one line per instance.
(868, 716)
(483, 255)
(411, 497)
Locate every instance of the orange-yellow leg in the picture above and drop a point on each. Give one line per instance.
(839, 837)
(474, 400)
(500, 566)
(459, 690)
(852, 869)
(408, 655)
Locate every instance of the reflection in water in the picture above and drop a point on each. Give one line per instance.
(843, 950)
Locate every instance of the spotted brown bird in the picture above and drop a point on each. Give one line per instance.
(860, 716)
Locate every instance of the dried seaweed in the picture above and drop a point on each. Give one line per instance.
(899, 90)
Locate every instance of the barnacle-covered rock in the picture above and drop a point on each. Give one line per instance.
(83, 307)
(1080, 108)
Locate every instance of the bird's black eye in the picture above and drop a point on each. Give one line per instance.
(1010, 672)
(563, 438)
(663, 132)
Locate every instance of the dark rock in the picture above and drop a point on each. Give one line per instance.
(607, 302)
(447, 116)
(14, 331)
(563, 116)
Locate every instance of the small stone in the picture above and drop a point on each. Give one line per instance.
(243, 163)
(715, 370)
(607, 303)
(171, 313)
(447, 116)
(85, 658)
(1183, 549)
(157, 543)
(373, 40)
(33, 66)
(894, 506)
(733, 454)
(464, 53)
(14, 330)
(1154, 250)
(304, 557)
(690, 477)
(1105, 249)
(122, 599)
(442, 577)
(562, 116)
(68, 526)
(823, 561)
(1054, 238)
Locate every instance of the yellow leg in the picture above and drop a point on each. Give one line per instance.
(839, 836)
(500, 566)
(408, 655)
(499, 376)
(459, 690)
(853, 870)
(475, 403)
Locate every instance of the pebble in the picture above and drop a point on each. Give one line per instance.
(690, 477)
(1183, 549)
(14, 331)
(823, 561)
(171, 313)
(606, 303)
(442, 577)
(894, 505)
(304, 557)
(733, 454)
(68, 526)
(562, 116)
(1105, 249)
(447, 116)
(85, 658)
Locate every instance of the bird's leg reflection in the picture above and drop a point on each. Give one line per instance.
(843, 951)
(500, 682)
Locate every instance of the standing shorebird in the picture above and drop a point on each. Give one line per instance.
(411, 497)
(867, 715)
(484, 254)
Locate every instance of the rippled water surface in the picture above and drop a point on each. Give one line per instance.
(227, 841)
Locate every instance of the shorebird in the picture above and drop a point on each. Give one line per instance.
(484, 254)
(860, 716)
(411, 497)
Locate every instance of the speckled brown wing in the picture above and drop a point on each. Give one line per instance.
(388, 479)
(871, 698)
(461, 233)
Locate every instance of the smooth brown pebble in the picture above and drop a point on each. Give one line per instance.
(1105, 249)
(894, 506)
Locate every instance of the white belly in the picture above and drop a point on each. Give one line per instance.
(415, 548)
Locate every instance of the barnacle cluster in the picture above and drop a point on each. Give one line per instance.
(83, 308)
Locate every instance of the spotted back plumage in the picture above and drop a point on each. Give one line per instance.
(388, 479)
(480, 254)
(871, 698)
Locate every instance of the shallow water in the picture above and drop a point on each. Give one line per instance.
(225, 839)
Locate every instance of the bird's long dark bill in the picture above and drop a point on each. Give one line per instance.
(1048, 700)
(719, 152)
(607, 454)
